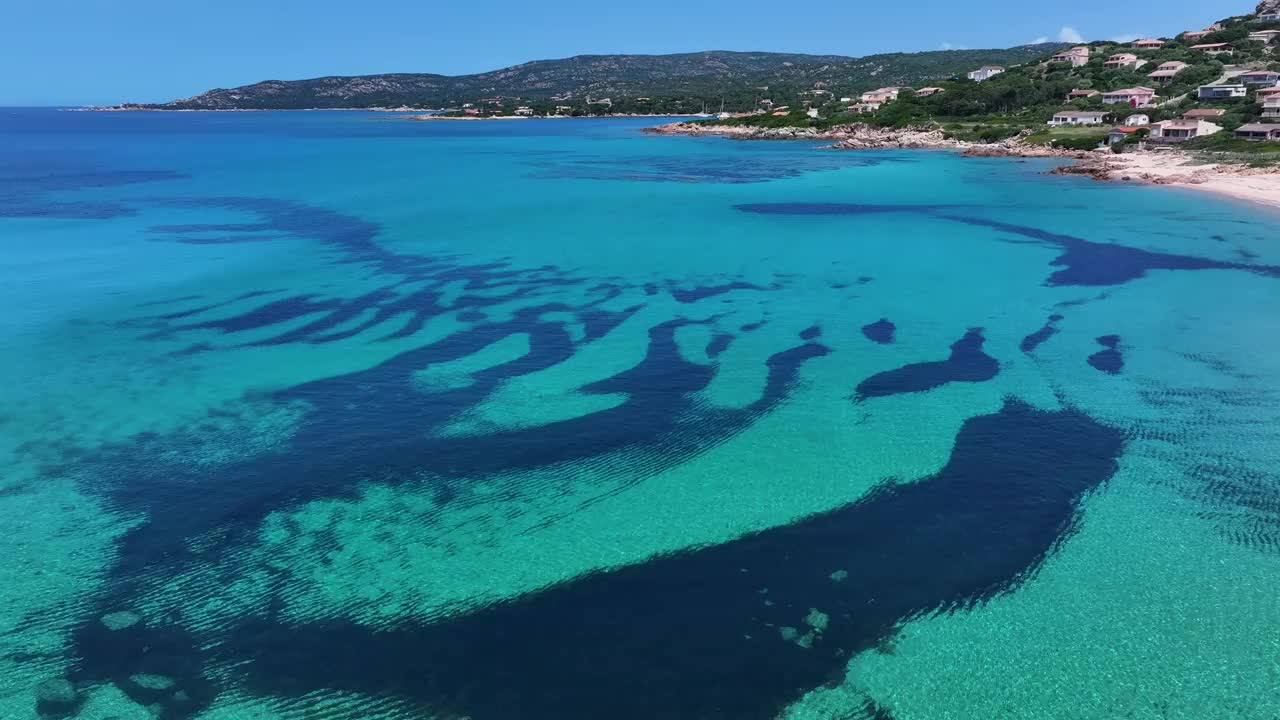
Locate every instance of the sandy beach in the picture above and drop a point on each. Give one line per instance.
(1180, 169)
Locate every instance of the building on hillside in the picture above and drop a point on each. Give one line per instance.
(1077, 117)
(1165, 72)
(1271, 16)
(524, 110)
(812, 112)
(1222, 92)
(986, 72)
(927, 91)
(865, 107)
(1082, 94)
(1259, 131)
(882, 95)
(1265, 36)
(1259, 77)
(1120, 60)
(1267, 93)
(1148, 44)
(1180, 130)
(1120, 134)
(1213, 48)
(1195, 35)
(1271, 109)
(1077, 56)
(1133, 97)
(1203, 113)
(564, 109)
(1137, 120)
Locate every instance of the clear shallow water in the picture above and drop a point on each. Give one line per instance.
(356, 417)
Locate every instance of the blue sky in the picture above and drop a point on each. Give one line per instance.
(57, 52)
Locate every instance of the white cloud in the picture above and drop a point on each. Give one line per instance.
(1069, 34)
(1040, 40)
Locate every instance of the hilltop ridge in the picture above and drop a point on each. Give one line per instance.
(597, 84)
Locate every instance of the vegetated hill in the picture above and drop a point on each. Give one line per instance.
(684, 80)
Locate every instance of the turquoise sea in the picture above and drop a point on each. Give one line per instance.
(328, 415)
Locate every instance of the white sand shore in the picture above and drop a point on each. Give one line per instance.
(1178, 169)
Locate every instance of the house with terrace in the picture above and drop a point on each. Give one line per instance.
(1165, 72)
(1258, 131)
(1120, 60)
(1148, 44)
(1213, 49)
(1133, 97)
(1269, 16)
(1137, 120)
(1182, 130)
(1265, 36)
(1271, 109)
(1080, 94)
(1076, 117)
(1268, 78)
(1263, 94)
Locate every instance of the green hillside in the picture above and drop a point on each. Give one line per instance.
(632, 83)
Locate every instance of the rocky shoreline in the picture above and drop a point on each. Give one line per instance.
(858, 136)
(1169, 167)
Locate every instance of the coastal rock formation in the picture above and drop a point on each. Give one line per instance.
(1267, 6)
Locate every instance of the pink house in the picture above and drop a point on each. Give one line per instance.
(1148, 44)
(1133, 97)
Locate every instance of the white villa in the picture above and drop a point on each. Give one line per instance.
(1179, 130)
(1077, 56)
(1137, 120)
(986, 72)
(1124, 60)
(1134, 97)
(1222, 92)
(1165, 72)
(1075, 117)
(1271, 109)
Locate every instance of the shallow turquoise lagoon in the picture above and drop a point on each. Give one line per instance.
(339, 415)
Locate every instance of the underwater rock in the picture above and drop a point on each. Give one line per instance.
(56, 697)
(152, 681)
(839, 576)
(120, 620)
(817, 620)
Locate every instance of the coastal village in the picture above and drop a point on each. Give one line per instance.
(1201, 109)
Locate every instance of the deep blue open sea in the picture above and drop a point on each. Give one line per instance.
(335, 415)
